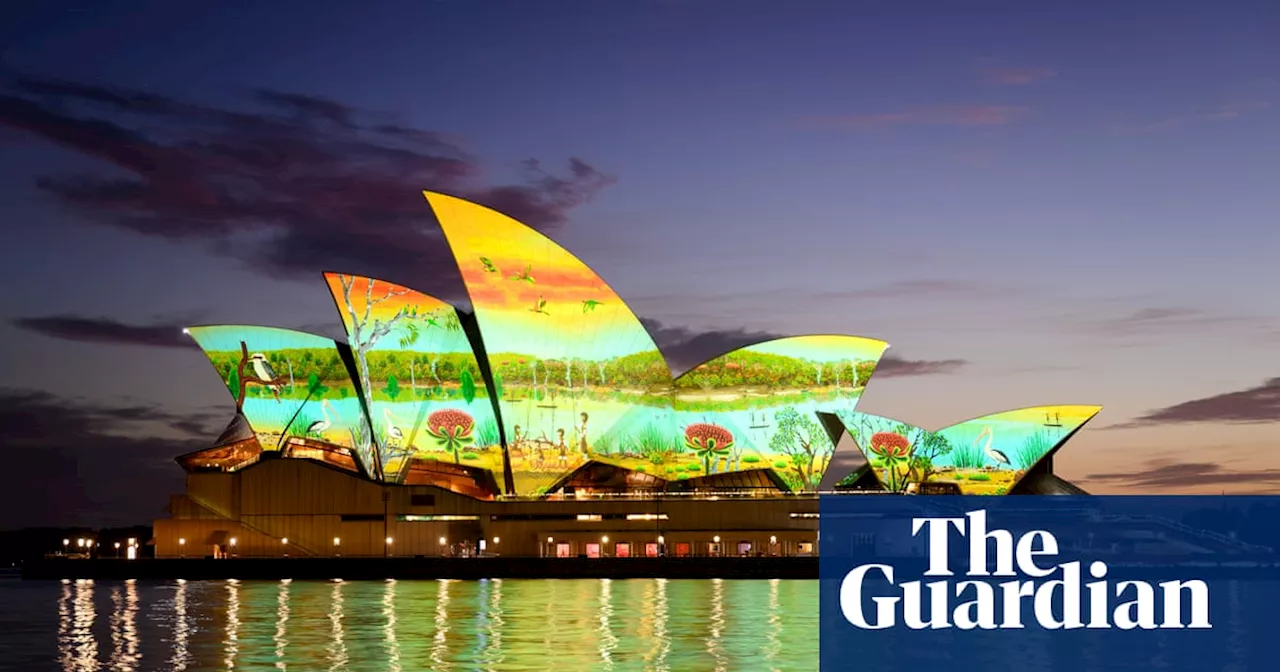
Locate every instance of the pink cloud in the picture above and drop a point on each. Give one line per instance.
(935, 115)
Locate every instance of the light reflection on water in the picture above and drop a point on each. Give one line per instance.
(508, 624)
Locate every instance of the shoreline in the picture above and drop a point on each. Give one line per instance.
(363, 568)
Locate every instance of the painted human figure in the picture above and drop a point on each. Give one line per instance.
(582, 434)
(564, 450)
(517, 441)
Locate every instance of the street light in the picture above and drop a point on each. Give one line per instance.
(117, 545)
(80, 542)
(495, 541)
(715, 539)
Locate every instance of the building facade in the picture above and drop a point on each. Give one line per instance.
(547, 422)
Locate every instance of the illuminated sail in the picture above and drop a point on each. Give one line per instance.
(983, 456)
(568, 356)
(755, 407)
(421, 383)
(288, 384)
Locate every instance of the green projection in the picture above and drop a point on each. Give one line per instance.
(288, 384)
(983, 456)
(425, 394)
(755, 408)
(569, 358)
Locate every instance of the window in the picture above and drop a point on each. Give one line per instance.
(804, 515)
(422, 500)
(593, 550)
(562, 549)
(744, 548)
(651, 550)
(806, 548)
(713, 549)
(682, 550)
(446, 517)
(622, 549)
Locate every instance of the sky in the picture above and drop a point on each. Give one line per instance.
(1033, 203)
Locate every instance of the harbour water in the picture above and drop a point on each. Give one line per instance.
(565, 625)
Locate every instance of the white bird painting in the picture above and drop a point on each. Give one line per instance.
(994, 455)
(263, 372)
(322, 425)
(394, 434)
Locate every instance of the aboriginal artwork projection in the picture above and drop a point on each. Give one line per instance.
(288, 384)
(568, 357)
(424, 391)
(756, 408)
(983, 456)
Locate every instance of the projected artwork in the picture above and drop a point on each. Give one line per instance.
(424, 391)
(569, 358)
(288, 383)
(755, 408)
(983, 456)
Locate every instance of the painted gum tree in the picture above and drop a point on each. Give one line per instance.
(366, 331)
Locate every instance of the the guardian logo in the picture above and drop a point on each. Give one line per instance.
(1054, 603)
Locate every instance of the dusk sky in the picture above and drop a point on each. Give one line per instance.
(1033, 202)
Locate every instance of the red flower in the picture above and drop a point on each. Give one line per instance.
(890, 445)
(450, 424)
(702, 437)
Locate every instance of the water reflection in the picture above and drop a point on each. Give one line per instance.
(492, 655)
(124, 626)
(282, 622)
(78, 648)
(440, 650)
(231, 634)
(435, 625)
(773, 645)
(716, 625)
(392, 647)
(338, 646)
(660, 637)
(181, 628)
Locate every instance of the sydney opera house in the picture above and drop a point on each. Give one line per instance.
(545, 422)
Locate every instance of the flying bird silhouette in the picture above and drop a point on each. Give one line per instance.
(539, 306)
(488, 265)
(524, 277)
(590, 305)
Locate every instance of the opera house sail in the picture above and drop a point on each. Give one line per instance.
(551, 390)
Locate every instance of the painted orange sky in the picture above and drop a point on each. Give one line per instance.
(529, 293)
(396, 297)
